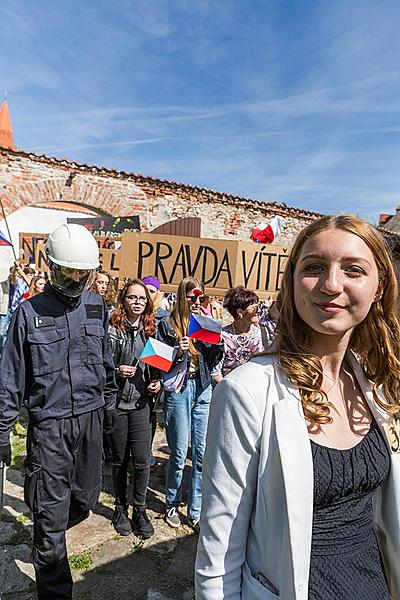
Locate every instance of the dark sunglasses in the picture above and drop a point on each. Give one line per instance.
(194, 297)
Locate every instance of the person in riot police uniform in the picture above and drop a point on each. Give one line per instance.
(57, 363)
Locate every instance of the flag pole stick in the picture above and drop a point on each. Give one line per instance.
(8, 229)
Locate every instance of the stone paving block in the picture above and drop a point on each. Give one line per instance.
(20, 596)
(16, 570)
(164, 540)
(180, 565)
(6, 532)
(88, 534)
(112, 551)
(155, 595)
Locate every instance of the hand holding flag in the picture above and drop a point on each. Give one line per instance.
(204, 329)
(266, 233)
(4, 241)
(158, 355)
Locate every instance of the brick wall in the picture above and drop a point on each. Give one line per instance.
(31, 180)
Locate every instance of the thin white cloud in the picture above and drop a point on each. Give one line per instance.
(103, 144)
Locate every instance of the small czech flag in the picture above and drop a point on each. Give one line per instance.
(4, 241)
(204, 329)
(158, 355)
(266, 233)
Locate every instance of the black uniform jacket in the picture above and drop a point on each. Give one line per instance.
(57, 359)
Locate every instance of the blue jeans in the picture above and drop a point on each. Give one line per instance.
(4, 324)
(186, 413)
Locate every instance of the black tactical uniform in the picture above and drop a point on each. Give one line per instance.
(57, 363)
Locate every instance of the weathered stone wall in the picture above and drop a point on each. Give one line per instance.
(29, 180)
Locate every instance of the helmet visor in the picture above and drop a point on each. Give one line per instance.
(70, 282)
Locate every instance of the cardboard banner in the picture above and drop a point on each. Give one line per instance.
(107, 226)
(109, 259)
(219, 264)
(40, 257)
(27, 243)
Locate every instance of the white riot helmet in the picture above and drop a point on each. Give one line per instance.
(71, 248)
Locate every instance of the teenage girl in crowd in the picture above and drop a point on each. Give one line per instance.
(244, 336)
(104, 286)
(132, 323)
(302, 469)
(153, 285)
(20, 280)
(36, 286)
(186, 411)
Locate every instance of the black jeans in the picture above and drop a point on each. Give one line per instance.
(130, 437)
(62, 482)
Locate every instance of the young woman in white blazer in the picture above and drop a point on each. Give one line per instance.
(301, 492)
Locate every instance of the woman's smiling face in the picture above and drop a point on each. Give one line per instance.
(335, 282)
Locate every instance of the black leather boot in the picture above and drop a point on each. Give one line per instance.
(141, 523)
(120, 520)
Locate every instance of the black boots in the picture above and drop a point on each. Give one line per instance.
(141, 523)
(120, 520)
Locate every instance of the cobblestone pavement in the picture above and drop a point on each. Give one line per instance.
(105, 566)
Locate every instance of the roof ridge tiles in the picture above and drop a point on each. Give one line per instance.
(164, 182)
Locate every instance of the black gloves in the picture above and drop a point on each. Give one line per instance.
(108, 420)
(5, 454)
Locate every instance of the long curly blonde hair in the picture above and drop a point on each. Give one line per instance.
(375, 341)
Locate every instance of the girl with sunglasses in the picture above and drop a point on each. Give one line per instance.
(186, 410)
(132, 323)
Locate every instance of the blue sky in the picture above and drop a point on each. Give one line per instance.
(288, 101)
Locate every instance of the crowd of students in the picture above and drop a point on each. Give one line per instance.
(298, 442)
(139, 311)
(136, 312)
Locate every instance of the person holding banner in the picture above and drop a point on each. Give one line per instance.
(132, 323)
(186, 409)
(302, 467)
(4, 304)
(20, 282)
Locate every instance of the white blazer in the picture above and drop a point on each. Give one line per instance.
(258, 490)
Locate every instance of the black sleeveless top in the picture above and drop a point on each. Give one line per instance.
(345, 559)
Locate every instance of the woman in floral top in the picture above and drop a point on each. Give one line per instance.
(244, 336)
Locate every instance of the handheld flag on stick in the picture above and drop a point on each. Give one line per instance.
(266, 233)
(4, 241)
(204, 329)
(8, 229)
(158, 355)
